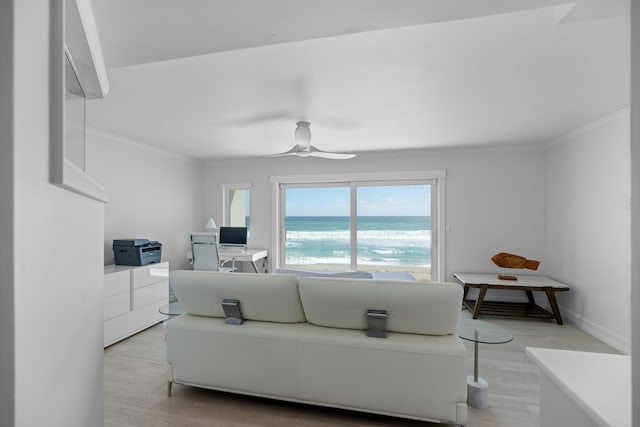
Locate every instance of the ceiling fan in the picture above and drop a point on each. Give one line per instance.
(303, 147)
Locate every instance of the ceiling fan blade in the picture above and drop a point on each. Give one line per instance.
(315, 152)
(292, 152)
(261, 119)
(332, 156)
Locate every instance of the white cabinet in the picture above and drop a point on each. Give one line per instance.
(132, 297)
(581, 388)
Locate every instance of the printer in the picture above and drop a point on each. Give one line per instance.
(136, 251)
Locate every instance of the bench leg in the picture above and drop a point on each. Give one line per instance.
(530, 298)
(554, 304)
(481, 294)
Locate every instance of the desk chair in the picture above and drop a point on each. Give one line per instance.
(205, 255)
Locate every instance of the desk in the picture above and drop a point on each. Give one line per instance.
(526, 283)
(248, 255)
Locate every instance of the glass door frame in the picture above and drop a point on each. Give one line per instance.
(435, 178)
(282, 240)
(389, 183)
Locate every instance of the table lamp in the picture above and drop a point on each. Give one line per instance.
(211, 225)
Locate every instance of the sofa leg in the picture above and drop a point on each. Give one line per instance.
(169, 384)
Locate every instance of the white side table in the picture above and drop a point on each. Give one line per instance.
(172, 309)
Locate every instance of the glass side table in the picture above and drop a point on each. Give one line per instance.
(480, 331)
(172, 309)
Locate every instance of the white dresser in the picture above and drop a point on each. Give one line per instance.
(132, 297)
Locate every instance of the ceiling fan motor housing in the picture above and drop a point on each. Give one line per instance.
(303, 133)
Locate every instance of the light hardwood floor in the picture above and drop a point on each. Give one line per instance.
(135, 389)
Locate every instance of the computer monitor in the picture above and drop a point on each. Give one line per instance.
(233, 236)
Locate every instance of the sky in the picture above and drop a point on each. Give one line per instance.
(398, 200)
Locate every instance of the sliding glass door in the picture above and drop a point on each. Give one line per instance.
(394, 228)
(317, 227)
(371, 226)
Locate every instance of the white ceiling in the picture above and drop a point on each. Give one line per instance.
(229, 78)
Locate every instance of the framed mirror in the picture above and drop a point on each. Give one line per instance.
(236, 202)
(77, 74)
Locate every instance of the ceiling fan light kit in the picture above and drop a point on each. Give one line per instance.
(303, 147)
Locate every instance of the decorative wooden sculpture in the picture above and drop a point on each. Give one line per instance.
(506, 260)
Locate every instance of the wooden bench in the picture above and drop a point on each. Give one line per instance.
(526, 283)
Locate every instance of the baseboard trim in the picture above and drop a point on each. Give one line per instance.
(605, 335)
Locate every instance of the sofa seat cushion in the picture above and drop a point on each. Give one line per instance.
(412, 307)
(306, 332)
(264, 297)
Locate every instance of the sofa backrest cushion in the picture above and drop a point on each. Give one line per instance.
(264, 297)
(412, 307)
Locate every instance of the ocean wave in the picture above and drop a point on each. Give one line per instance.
(373, 236)
(374, 247)
(306, 260)
(385, 251)
(317, 235)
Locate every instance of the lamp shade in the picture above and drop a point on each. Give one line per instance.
(211, 224)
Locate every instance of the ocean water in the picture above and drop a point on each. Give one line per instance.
(382, 240)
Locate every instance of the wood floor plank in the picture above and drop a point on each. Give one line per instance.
(135, 386)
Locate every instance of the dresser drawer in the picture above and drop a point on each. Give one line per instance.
(132, 298)
(116, 305)
(141, 297)
(116, 283)
(148, 274)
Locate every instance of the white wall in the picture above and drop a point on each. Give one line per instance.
(635, 210)
(589, 227)
(152, 194)
(57, 254)
(7, 323)
(495, 197)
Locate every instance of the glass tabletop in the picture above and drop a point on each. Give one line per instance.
(172, 309)
(488, 333)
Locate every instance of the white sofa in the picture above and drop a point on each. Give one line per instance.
(305, 340)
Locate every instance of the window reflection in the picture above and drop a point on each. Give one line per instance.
(239, 203)
(74, 118)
